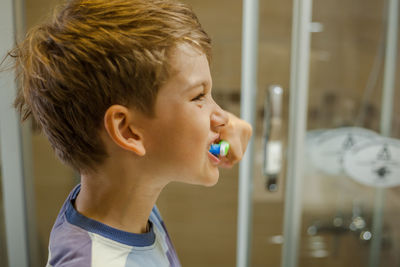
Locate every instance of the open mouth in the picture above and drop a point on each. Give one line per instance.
(215, 142)
(214, 158)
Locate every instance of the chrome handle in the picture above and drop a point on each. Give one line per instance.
(272, 136)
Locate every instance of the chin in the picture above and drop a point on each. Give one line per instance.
(211, 180)
(211, 183)
(208, 180)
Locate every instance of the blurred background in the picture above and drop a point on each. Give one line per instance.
(346, 70)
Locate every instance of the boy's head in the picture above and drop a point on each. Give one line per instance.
(94, 54)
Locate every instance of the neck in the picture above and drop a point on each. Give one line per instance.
(117, 199)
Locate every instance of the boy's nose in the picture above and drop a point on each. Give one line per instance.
(219, 118)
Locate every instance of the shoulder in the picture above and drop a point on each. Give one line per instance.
(69, 246)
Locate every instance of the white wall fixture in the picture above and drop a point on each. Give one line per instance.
(375, 163)
(329, 147)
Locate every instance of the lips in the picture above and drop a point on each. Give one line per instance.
(213, 158)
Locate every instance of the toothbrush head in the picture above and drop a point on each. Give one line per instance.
(220, 149)
(224, 148)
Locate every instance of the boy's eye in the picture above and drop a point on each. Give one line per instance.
(199, 97)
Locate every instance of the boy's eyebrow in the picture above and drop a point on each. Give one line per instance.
(196, 85)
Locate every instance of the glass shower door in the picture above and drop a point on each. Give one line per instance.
(340, 169)
(352, 163)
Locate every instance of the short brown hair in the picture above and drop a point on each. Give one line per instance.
(93, 54)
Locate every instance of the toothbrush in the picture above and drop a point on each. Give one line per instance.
(220, 149)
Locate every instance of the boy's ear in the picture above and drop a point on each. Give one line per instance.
(118, 124)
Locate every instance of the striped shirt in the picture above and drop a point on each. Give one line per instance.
(78, 241)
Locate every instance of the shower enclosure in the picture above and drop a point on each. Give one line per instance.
(319, 184)
(341, 155)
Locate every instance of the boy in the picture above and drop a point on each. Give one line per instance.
(122, 90)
